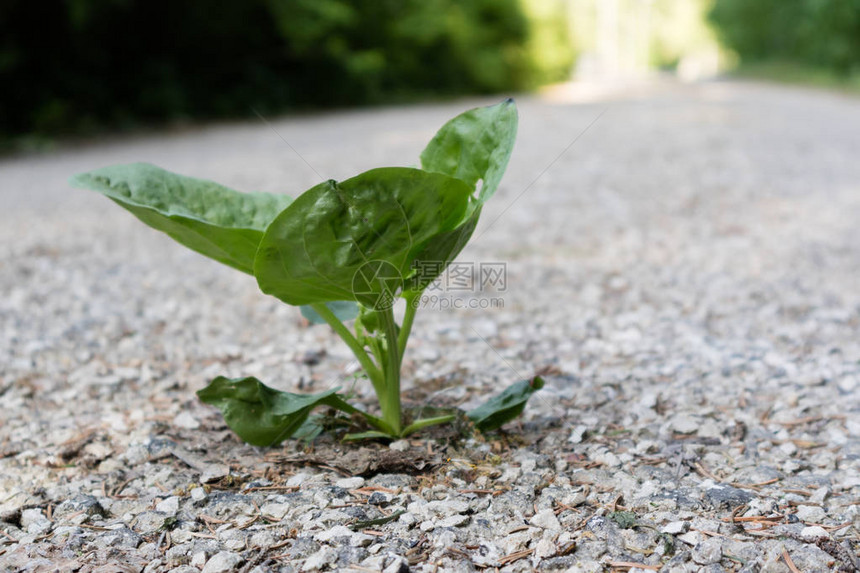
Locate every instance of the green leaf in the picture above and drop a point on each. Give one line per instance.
(261, 415)
(501, 409)
(624, 519)
(310, 429)
(439, 253)
(368, 321)
(215, 221)
(426, 422)
(475, 145)
(369, 435)
(343, 309)
(338, 239)
(359, 525)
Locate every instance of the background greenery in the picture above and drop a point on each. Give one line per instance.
(816, 34)
(78, 65)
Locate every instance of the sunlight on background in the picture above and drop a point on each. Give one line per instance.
(623, 38)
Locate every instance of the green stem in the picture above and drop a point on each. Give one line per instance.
(380, 356)
(367, 364)
(406, 326)
(339, 403)
(390, 403)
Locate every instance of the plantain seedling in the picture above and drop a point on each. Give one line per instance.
(342, 251)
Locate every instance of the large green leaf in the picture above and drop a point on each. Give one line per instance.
(261, 415)
(475, 146)
(501, 409)
(339, 236)
(218, 222)
(437, 254)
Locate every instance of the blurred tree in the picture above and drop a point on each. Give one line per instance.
(833, 34)
(369, 50)
(549, 46)
(81, 64)
(814, 32)
(88, 62)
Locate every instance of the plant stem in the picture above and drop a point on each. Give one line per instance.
(339, 403)
(372, 371)
(406, 326)
(390, 402)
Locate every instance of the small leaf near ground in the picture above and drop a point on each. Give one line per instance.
(624, 519)
(501, 409)
(261, 415)
(357, 525)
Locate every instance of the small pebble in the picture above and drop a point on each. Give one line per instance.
(350, 483)
(546, 519)
(223, 562)
(676, 527)
(810, 514)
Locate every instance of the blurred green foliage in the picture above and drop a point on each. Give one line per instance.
(821, 33)
(79, 65)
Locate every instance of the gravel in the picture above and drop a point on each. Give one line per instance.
(685, 277)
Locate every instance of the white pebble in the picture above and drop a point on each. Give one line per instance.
(546, 519)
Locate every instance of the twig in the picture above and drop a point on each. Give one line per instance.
(708, 533)
(705, 472)
(754, 518)
(632, 564)
(459, 553)
(215, 520)
(837, 526)
(493, 492)
(249, 522)
(202, 535)
(516, 529)
(810, 419)
(754, 485)
(561, 507)
(116, 491)
(516, 556)
(374, 488)
(760, 533)
(274, 488)
(789, 562)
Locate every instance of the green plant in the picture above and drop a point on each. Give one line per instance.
(340, 251)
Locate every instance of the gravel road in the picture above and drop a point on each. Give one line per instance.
(686, 273)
